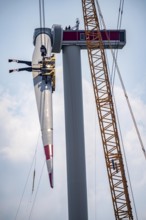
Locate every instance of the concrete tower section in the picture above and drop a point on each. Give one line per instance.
(75, 147)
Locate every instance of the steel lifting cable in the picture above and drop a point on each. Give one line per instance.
(100, 25)
(43, 9)
(119, 22)
(42, 20)
(40, 15)
(122, 84)
(34, 174)
(124, 153)
(27, 180)
(120, 14)
(33, 181)
(23, 191)
(43, 97)
(37, 190)
(113, 72)
(41, 118)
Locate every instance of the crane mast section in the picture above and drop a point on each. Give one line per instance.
(106, 114)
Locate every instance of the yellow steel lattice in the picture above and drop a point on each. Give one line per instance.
(106, 114)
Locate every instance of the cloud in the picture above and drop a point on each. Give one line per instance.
(19, 122)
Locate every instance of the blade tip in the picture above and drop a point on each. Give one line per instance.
(51, 180)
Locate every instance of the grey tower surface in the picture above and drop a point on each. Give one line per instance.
(76, 166)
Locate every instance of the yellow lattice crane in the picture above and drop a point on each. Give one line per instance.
(106, 113)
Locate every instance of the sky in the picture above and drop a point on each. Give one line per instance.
(20, 136)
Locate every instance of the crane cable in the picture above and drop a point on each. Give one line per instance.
(119, 22)
(122, 84)
(42, 21)
(33, 182)
(27, 180)
(124, 153)
(40, 14)
(37, 190)
(42, 100)
(34, 174)
(42, 26)
(114, 71)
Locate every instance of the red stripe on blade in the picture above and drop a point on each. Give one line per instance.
(48, 151)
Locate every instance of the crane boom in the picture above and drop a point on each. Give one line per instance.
(106, 113)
